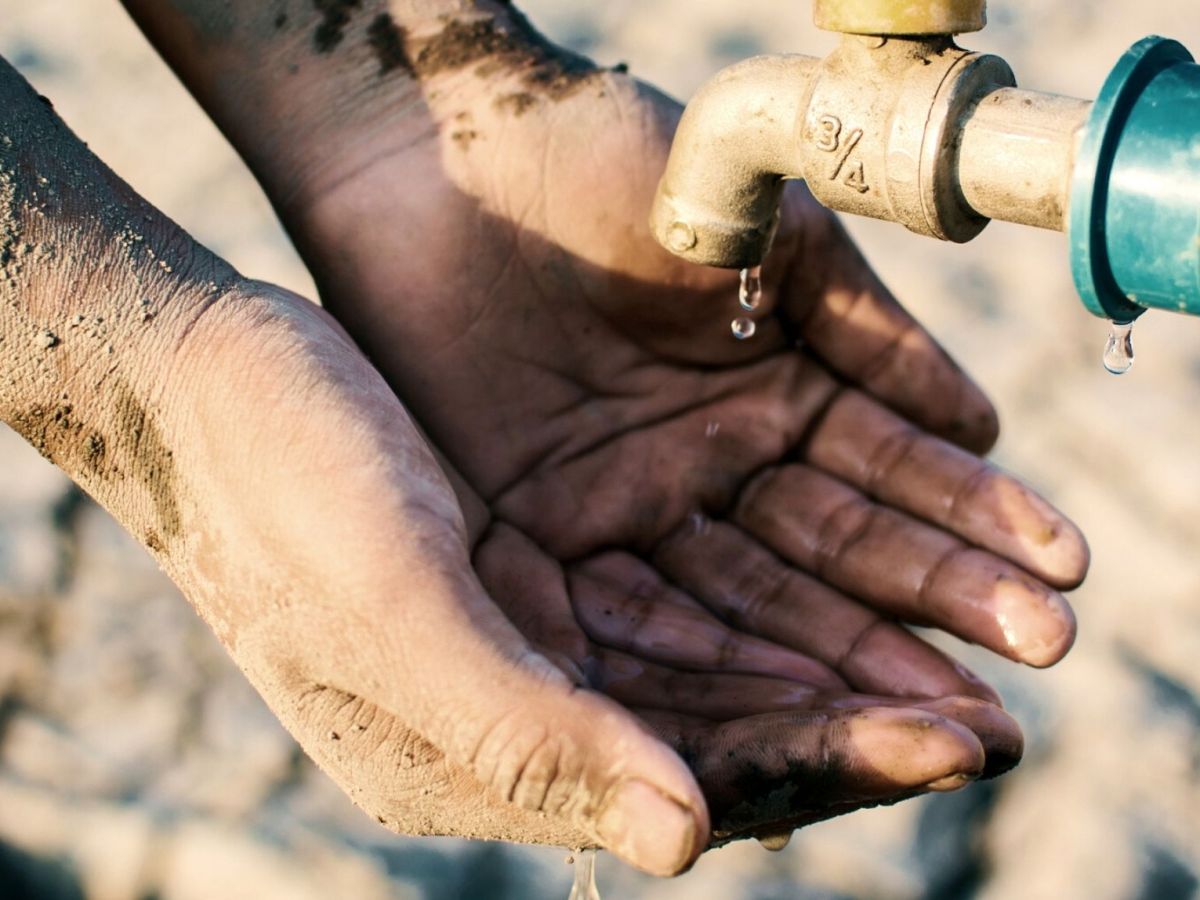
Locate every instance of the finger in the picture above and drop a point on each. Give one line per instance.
(904, 567)
(849, 319)
(749, 587)
(724, 698)
(623, 603)
(997, 731)
(513, 575)
(529, 587)
(875, 450)
(790, 769)
(1001, 736)
(635, 682)
(521, 728)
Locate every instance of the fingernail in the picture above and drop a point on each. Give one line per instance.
(647, 829)
(1035, 622)
(955, 782)
(1050, 634)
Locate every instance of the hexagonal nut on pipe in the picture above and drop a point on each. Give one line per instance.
(901, 17)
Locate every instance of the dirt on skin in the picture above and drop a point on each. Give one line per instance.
(506, 43)
(96, 429)
(335, 16)
(139, 452)
(546, 69)
(387, 41)
(149, 459)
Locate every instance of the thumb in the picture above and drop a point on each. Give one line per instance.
(545, 745)
(533, 738)
(453, 669)
(848, 318)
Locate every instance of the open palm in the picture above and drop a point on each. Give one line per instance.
(724, 535)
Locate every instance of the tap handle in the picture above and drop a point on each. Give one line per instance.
(900, 17)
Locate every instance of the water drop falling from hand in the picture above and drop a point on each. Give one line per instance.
(585, 877)
(776, 842)
(750, 293)
(1118, 352)
(743, 328)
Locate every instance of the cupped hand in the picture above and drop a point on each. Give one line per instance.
(817, 486)
(320, 539)
(239, 432)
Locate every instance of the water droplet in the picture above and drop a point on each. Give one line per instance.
(750, 293)
(1118, 352)
(585, 877)
(712, 430)
(743, 328)
(775, 842)
(699, 523)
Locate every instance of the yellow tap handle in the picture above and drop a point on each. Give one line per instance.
(909, 17)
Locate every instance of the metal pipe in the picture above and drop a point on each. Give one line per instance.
(909, 127)
(1017, 153)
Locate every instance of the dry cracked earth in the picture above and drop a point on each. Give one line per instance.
(136, 763)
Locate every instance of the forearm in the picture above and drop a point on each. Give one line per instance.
(288, 81)
(97, 293)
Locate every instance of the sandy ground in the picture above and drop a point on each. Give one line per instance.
(135, 762)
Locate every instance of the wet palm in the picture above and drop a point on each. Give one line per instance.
(720, 534)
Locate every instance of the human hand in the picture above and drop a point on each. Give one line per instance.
(242, 437)
(588, 387)
(433, 668)
(489, 250)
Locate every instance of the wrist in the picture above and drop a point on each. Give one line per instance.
(97, 293)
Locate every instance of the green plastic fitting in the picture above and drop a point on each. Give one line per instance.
(1134, 222)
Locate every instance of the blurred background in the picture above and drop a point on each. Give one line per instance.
(136, 763)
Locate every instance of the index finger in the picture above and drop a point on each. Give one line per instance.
(895, 463)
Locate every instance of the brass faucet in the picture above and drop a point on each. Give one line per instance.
(897, 123)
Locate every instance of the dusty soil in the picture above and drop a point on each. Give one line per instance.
(135, 761)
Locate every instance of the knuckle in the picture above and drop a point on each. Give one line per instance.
(890, 454)
(760, 589)
(526, 764)
(842, 528)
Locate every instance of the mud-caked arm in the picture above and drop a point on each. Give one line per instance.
(287, 82)
(98, 293)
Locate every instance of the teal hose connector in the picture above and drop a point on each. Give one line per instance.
(1134, 220)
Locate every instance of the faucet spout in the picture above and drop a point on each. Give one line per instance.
(718, 202)
(872, 129)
